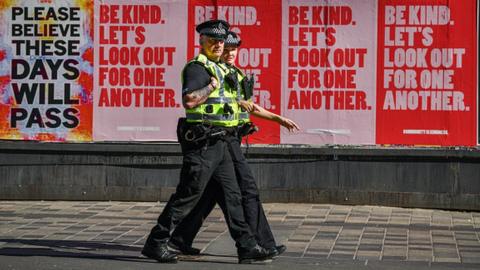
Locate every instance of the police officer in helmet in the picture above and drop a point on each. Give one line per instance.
(210, 107)
(186, 231)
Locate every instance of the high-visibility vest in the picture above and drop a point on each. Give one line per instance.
(243, 117)
(212, 110)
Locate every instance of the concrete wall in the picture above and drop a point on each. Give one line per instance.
(430, 178)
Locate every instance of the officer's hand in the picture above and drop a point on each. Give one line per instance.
(289, 124)
(213, 83)
(246, 105)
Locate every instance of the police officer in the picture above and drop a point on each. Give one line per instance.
(210, 121)
(184, 234)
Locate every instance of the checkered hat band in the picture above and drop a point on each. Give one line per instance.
(231, 40)
(214, 31)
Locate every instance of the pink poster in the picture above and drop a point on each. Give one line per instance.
(140, 49)
(328, 68)
(427, 73)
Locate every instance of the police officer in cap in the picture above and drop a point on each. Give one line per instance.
(186, 231)
(210, 120)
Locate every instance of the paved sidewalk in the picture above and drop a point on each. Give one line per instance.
(102, 235)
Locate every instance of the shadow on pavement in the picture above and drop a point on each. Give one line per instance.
(69, 248)
(91, 250)
(75, 244)
(58, 253)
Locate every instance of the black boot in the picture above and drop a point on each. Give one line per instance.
(160, 253)
(276, 250)
(255, 254)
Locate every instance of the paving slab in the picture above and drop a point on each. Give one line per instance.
(107, 235)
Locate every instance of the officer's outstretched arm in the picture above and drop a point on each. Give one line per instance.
(199, 96)
(261, 112)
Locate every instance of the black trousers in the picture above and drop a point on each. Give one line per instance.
(186, 231)
(201, 163)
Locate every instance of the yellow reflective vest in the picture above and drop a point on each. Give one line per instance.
(243, 116)
(212, 110)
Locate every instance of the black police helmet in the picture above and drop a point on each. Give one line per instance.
(214, 28)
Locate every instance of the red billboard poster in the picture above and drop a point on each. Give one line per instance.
(46, 70)
(140, 49)
(258, 23)
(328, 71)
(427, 73)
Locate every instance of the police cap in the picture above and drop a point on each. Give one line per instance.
(232, 39)
(214, 28)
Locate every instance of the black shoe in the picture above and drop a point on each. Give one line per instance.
(276, 250)
(183, 249)
(255, 254)
(161, 254)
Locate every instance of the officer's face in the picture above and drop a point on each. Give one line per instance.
(213, 48)
(229, 54)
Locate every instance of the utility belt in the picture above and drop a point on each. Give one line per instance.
(195, 135)
(199, 133)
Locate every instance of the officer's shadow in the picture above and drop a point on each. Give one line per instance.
(90, 250)
(70, 249)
